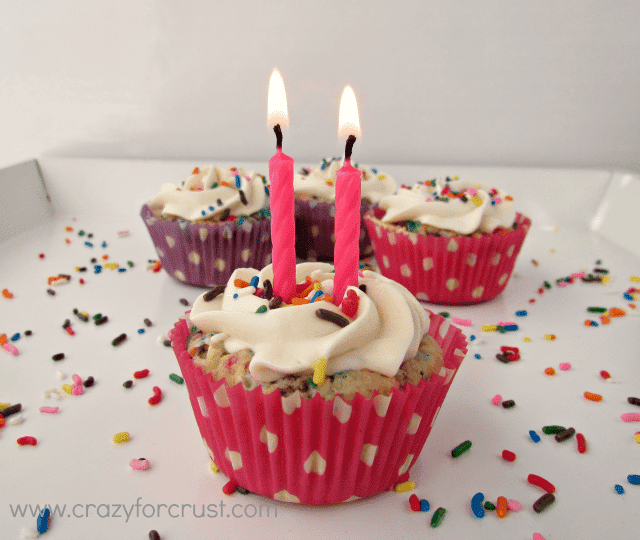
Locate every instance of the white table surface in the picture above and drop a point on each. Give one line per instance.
(76, 462)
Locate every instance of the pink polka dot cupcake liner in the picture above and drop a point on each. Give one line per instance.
(314, 451)
(205, 255)
(315, 230)
(455, 270)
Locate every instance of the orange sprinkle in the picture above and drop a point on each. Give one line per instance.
(593, 397)
(501, 506)
(157, 267)
(196, 171)
(550, 371)
(105, 257)
(299, 301)
(240, 283)
(67, 241)
(2, 421)
(3, 339)
(324, 297)
(616, 312)
(587, 322)
(632, 306)
(6, 293)
(223, 183)
(509, 198)
(69, 229)
(605, 320)
(308, 289)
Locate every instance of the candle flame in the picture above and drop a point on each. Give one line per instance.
(277, 112)
(348, 119)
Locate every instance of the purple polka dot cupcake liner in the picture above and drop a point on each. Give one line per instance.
(312, 450)
(315, 230)
(447, 270)
(206, 254)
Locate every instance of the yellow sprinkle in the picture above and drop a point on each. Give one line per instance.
(635, 278)
(489, 328)
(605, 279)
(476, 200)
(214, 467)
(316, 286)
(121, 437)
(319, 370)
(405, 486)
(527, 339)
(67, 389)
(111, 265)
(77, 269)
(382, 177)
(4, 405)
(638, 437)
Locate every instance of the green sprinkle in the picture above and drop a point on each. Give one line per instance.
(547, 285)
(438, 516)
(501, 329)
(261, 309)
(596, 309)
(80, 233)
(130, 263)
(488, 505)
(461, 449)
(176, 378)
(552, 430)
(444, 314)
(311, 383)
(97, 316)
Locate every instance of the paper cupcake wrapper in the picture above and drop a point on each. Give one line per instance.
(440, 270)
(315, 230)
(314, 451)
(207, 254)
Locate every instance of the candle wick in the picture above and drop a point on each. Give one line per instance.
(349, 146)
(278, 133)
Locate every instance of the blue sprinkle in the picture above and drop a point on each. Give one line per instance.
(235, 295)
(634, 479)
(254, 281)
(510, 327)
(323, 166)
(472, 337)
(534, 436)
(211, 208)
(104, 244)
(266, 190)
(238, 181)
(241, 219)
(522, 313)
(42, 523)
(477, 356)
(204, 213)
(88, 244)
(15, 337)
(424, 505)
(316, 295)
(476, 505)
(141, 331)
(374, 171)
(619, 489)
(97, 269)
(122, 269)
(594, 323)
(493, 203)
(627, 296)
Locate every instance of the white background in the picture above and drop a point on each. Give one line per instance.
(497, 82)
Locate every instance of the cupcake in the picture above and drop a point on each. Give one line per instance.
(448, 241)
(309, 402)
(215, 221)
(315, 193)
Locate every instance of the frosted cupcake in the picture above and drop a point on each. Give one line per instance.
(309, 402)
(213, 222)
(448, 241)
(315, 192)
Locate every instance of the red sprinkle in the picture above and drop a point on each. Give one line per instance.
(141, 374)
(508, 455)
(157, 396)
(414, 502)
(541, 483)
(582, 443)
(27, 441)
(605, 374)
(229, 487)
(349, 304)
(69, 331)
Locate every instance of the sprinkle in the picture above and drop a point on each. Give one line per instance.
(139, 464)
(414, 503)
(117, 341)
(141, 374)
(176, 378)
(184, 301)
(67, 389)
(49, 410)
(596, 309)
(476, 505)
(521, 313)
(634, 401)
(626, 417)
(489, 328)
(6, 293)
(461, 449)
(229, 487)
(565, 366)
(10, 410)
(543, 502)
(330, 316)
(101, 320)
(508, 404)
(550, 371)
(552, 430)
(12, 349)
(497, 399)
(550, 337)
(616, 312)
(403, 487)
(127, 384)
(619, 489)
(565, 435)
(437, 518)
(157, 396)
(502, 506)
(214, 467)
(507, 455)
(582, 443)
(261, 309)
(513, 505)
(488, 505)
(634, 479)
(593, 397)
(121, 437)
(154, 535)
(536, 480)
(89, 382)
(213, 293)
(319, 370)
(461, 322)
(27, 441)
(424, 505)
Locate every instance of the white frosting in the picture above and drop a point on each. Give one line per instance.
(484, 210)
(386, 330)
(203, 196)
(321, 182)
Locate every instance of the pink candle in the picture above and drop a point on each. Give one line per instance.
(282, 202)
(346, 254)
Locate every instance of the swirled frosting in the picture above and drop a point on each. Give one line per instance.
(455, 205)
(208, 192)
(320, 181)
(386, 329)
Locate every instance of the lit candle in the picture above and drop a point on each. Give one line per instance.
(282, 202)
(346, 253)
